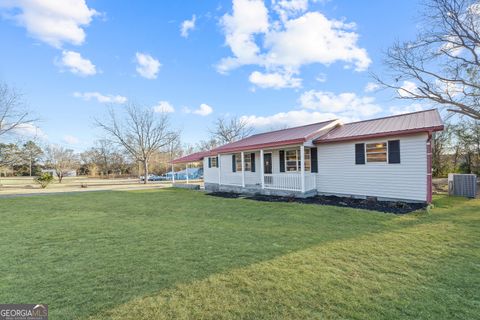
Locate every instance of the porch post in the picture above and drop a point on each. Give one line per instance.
(262, 169)
(173, 174)
(186, 171)
(302, 164)
(243, 170)
(219, 170)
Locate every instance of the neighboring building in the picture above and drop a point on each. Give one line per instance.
(388, 158)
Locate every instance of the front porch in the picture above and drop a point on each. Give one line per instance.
(256, 189)
(270, 174)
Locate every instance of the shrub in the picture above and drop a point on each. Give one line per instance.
(44, 179)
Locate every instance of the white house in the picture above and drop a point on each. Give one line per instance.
(388, 158)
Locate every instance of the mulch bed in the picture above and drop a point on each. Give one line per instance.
(396, 207)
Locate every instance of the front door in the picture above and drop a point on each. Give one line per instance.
(267, 163)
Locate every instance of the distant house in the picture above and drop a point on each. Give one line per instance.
(388, 158)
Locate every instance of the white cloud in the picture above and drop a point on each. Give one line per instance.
(53, 22)
(288, 119)
(275, 80)
(29, 130)
(71, 139)
(187, 26)
(248, 18)
(298, 38)
(289, 8)
(347, 104)
(164, 107)
(312, 38)
(76, 64)
(147, 66)
(203, 110)
(406, 109)
(407, 89)
(87, 96)
(371, 87)
(450, 88)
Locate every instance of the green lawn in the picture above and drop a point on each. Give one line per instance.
(181, 254)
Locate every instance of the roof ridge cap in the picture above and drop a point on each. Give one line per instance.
(304, 125)
(392, 116)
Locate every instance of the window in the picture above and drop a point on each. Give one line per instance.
(238, 162)
(307, 159)
(291, 157)
(293, 161)
(213, 162)
(247, 163)
(377, 152)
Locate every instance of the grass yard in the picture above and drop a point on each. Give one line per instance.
(163, 254)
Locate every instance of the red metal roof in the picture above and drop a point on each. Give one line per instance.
(194, 157)
(275, 138)
(421, 121)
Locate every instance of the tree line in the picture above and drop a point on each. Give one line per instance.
(456, 149)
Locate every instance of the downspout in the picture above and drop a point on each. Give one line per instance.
(429, 167)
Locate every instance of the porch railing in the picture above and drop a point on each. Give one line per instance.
(278, 181)
(289, 181)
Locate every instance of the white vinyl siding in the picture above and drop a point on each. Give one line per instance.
(338, 174)
(209, 174)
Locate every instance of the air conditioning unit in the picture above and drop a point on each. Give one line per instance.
(464, 185)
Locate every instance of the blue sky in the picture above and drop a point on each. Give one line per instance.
(276, 63)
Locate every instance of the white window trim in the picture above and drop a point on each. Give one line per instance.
(297, 161)
(376, 163)
(216, 163)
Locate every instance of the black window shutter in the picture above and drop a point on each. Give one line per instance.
(217, 162)
(282, 160)
(209, 162)
(253, 161)
(234, 164)
(394, 151)
(360, 153)
(314, 160)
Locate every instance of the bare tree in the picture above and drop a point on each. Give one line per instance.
(442, 65)
(60, 159)
(226, 131)
(141, 133)
(206, 145)
(13, 111)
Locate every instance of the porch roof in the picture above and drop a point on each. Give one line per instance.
(276, 138)
(194, 157)
(421, 121)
